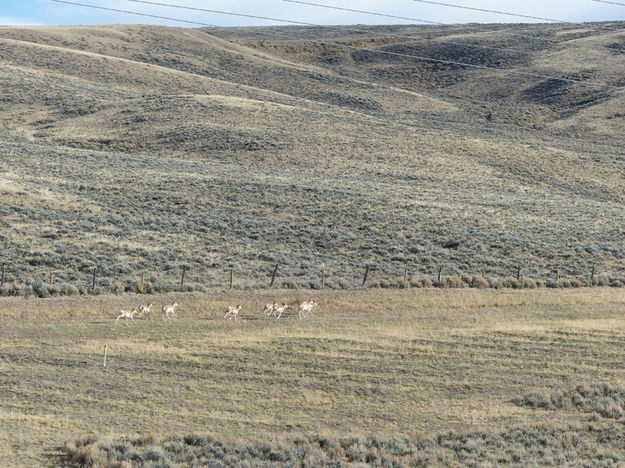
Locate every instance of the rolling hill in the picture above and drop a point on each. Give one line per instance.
(146, 148)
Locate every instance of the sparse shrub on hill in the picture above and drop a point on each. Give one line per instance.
(69, 290)
(137, 288)
(164, 287)
(423, 283)
(479, 282)
(528, 283)
(42, 290)
(148, 288)
(27, 291)
(158, 229)
(12, 285)
(116, 288)
(466, 279)
(600, 280)
(450, 282)
(550, 283)
(188, 288)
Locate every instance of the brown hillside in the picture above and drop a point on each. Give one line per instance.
(148, 148)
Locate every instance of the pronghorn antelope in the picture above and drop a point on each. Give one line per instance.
(305, 308)
(232, 312)
(278, 310)
(126, 314)
(270, 308)
(168, 310)
(145, 309)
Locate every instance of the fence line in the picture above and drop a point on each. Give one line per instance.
(372, 276)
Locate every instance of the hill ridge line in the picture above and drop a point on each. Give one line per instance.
(159, 68)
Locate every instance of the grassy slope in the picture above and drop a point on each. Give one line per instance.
(389, 363)
(240, 150)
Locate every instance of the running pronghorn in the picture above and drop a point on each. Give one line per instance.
(145, 309)
(305, 308)
(232, 312)
(270, 308)
(278, 310)
(168, 310)
(126, 314)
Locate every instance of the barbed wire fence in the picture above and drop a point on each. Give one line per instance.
(57, 282)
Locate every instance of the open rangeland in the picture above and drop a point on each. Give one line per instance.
(374, 365)
(145, 149)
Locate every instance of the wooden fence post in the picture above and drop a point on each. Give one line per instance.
(51, 279)
(273, 276)
(231, 279)
(142, 280)
(405, 277)
(323, 278)
(518, 272)
(184, 270)
(592, 275)
(440, 273)
(2, 276)
(364, 279)
(557, 275)
(93, 279)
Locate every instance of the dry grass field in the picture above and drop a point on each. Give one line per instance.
(449, 376)
(146, 148)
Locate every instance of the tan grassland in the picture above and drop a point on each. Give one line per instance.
(393, 363)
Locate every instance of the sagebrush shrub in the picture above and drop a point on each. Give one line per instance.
(69, 290)
(479, 282)
(452, 282)
(466, 279)
(528, 283)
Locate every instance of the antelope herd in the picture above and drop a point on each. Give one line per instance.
(146, 310)
(275, 310)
